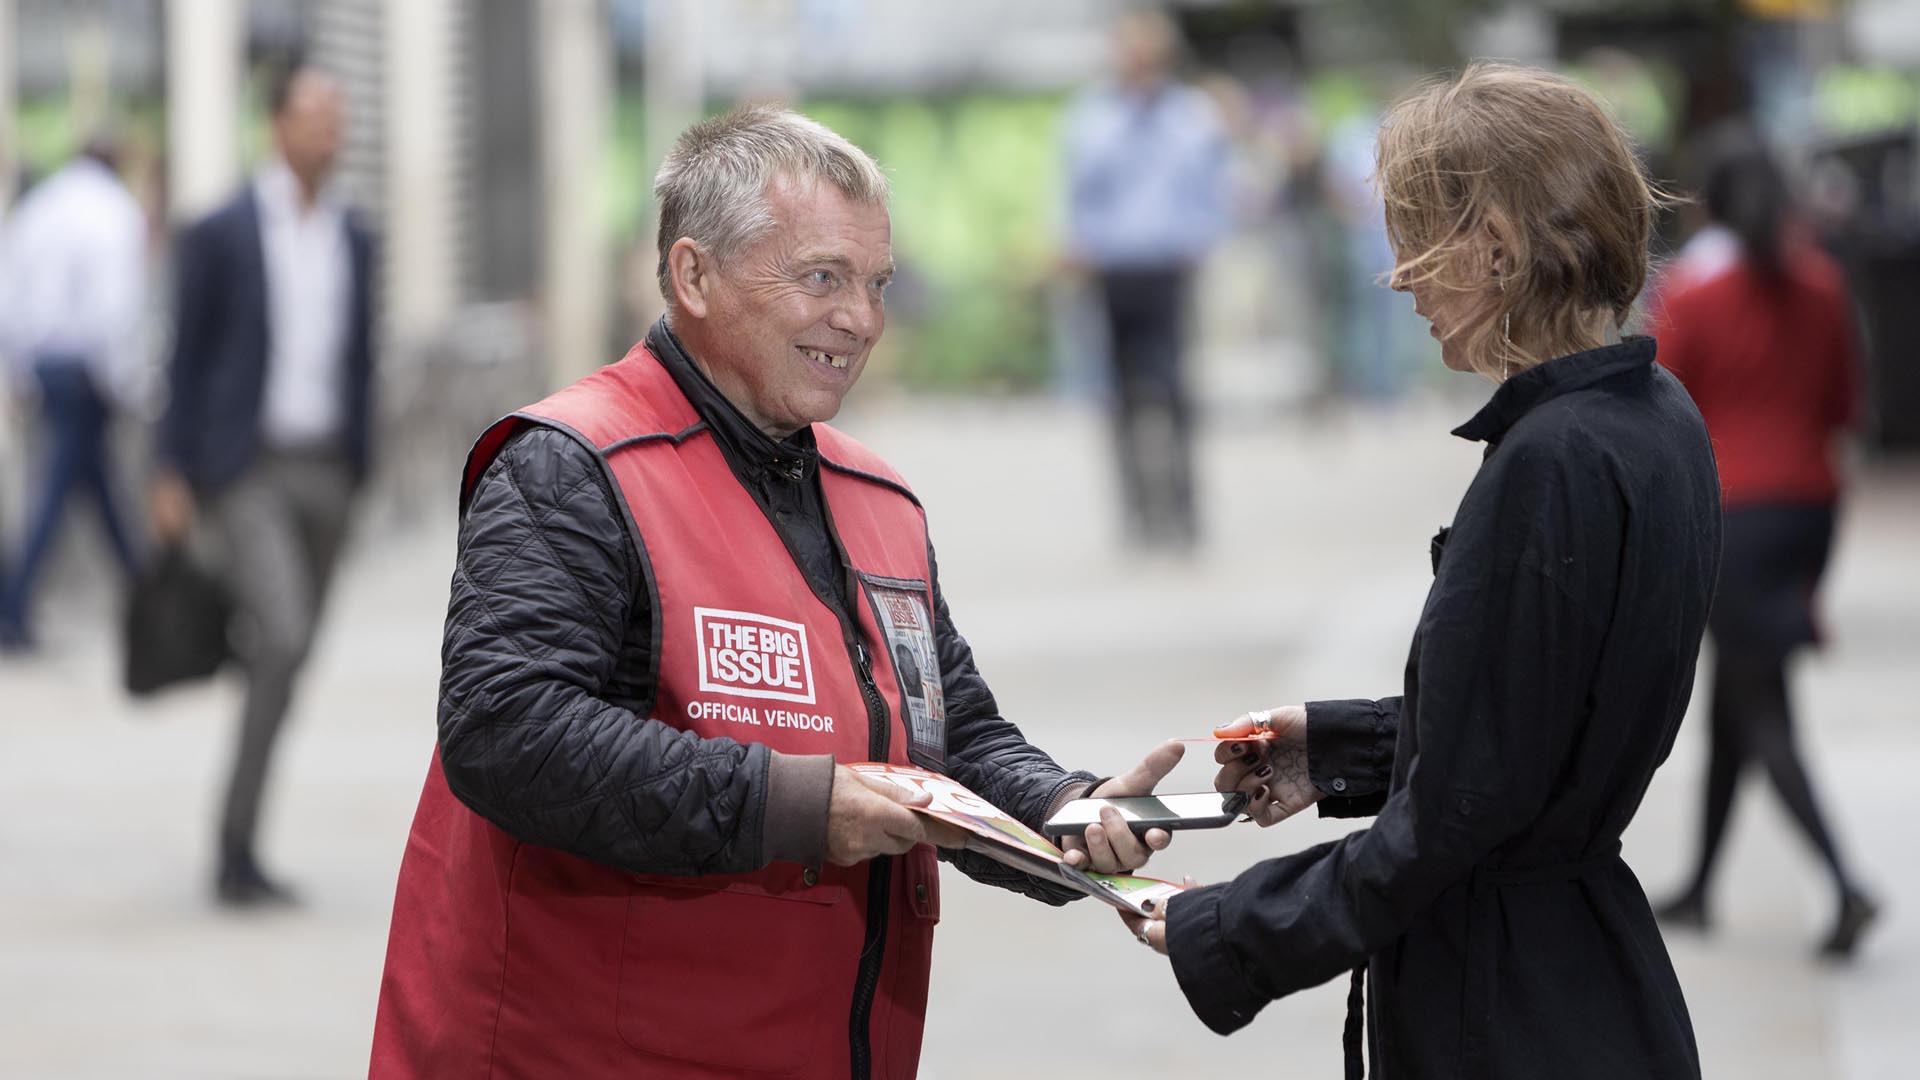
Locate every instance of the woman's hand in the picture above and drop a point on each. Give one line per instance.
(1151, 931)
(1273, 771)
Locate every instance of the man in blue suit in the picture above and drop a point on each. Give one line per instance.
(266, 432)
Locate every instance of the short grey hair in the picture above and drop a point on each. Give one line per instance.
(712, 186)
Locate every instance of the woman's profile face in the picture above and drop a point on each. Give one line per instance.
(1450, 311)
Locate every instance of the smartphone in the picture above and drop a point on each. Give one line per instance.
(1199, 810)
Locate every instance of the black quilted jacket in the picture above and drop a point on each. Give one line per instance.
(546, 680)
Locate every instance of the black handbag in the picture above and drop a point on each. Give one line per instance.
(176, 625)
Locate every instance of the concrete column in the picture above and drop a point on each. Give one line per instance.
(89, 72)
(421, 188)
(674, 92)
(205, 50)
(576, 81)
(9, 104)
(674, 87)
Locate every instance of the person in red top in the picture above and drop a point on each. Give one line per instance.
(1757, 324)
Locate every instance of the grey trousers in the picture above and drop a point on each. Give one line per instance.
(280, 527)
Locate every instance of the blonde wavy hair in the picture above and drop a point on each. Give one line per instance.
(1516, 185)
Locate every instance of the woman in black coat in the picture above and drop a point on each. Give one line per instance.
(1488, 904)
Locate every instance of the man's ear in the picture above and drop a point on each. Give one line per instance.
(690, 273)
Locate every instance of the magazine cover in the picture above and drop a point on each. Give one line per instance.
(993, 833)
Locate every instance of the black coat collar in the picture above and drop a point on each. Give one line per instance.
(1537, 385)
(746, 446)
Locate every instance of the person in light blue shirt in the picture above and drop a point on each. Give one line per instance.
(1147, 177)
(74, 257)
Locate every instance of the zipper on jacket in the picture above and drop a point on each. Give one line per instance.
(872, 953)
(873, 948)
(880, 870)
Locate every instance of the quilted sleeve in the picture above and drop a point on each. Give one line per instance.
(547, 593)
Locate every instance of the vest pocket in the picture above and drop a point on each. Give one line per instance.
(922, 866)
(912, 956)
(749, 976)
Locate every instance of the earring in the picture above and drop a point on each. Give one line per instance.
(1506, 331)
(1506, 334)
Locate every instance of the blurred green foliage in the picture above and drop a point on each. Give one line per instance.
(976, 215)
(1852, 100)
(49, 136)
(46, 136)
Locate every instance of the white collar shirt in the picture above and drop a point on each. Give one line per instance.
(74, 260)
(308, 286)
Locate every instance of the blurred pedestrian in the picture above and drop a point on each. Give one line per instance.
(1487, 904)
(75, 260)
(1758, 324)
(9, 393)
(266, 429)
(1148, 197)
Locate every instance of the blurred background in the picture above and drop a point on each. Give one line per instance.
(502, 151)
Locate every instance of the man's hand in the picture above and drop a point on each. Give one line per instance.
(868, 819)
(1110, 846)
(1273, 772)
(170, 507)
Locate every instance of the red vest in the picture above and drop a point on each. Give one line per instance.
(509, 959)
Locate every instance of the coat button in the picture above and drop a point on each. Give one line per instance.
(810, 877)
(920, 893)
(1339, 784)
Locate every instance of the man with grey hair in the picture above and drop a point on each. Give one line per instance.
(678, 608)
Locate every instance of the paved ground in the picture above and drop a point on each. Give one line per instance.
(114, 964)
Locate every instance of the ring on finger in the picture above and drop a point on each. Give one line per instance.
(1141, 936)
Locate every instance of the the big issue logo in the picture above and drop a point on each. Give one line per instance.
(744, 654)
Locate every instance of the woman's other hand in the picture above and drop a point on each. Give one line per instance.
(1151, 931)
(1272, 771)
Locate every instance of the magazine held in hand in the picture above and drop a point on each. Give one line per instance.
(999, 837)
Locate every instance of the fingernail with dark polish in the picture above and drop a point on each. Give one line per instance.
(1260, 792)
(1146, 905)
(1263, 771)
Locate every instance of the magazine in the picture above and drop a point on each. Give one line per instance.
(995, 834)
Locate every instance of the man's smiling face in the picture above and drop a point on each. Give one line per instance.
(791, 319)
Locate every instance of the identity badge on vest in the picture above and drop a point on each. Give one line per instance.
(900, 607)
